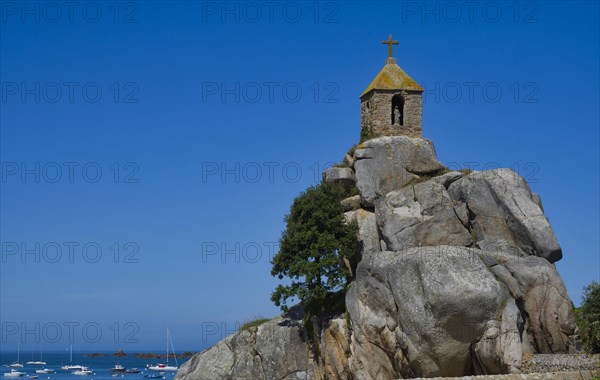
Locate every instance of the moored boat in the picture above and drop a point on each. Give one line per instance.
(162, 367)
(118, 368)
(37, 362)
(85, 371)
(45, 370)
(14, 373)
(165, 367)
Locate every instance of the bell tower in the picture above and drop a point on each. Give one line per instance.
(392, 104)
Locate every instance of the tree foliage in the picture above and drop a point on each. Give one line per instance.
(588, 318)
(313, 247)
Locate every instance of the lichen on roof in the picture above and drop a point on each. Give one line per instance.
(392, 77)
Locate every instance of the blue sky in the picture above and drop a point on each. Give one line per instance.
(150, 150)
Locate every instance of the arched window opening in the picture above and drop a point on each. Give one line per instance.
(397, 110)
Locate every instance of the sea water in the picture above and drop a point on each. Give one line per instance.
(100, 365)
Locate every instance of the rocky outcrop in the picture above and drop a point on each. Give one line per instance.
(456, 278)
(453, 311)
(505, 213)
(276, 349)
(389, 163)
(422, 214)
(343, 175)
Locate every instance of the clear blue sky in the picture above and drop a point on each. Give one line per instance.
(203, 140)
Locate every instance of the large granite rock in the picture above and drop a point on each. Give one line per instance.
(443, 311)
(422, 215)
(343, 175)
(389, 163)
(274, 350)
(504, 213)
(456, 278)
(368, 237)
(425, 309)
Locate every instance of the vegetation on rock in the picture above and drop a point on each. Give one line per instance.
(588, 318)
(313, 248)
(254, 323)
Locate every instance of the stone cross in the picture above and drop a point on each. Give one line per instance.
(389, 42)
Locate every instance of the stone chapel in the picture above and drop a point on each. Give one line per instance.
(392, 104)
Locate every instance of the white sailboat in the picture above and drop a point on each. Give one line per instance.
(70, 366)
(45, 371)
(14, 373)
(17, 364)
(166, 367)
(37, 362)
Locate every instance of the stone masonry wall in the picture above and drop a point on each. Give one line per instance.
(376, 112)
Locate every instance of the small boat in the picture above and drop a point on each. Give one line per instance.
(45, 370)
(154, 377)
(166, 367)
(14, 373)
(72, 367)
(17, 364)
(133, 370)
(37, 362)
(162, 367)
(34, 377)
(85, 371)
(118, 368)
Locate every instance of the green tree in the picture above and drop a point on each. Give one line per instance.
(588, 317)
(313, 248)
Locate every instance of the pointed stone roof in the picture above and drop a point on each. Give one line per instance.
(392, 77)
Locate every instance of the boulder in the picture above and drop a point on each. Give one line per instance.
(551, 326)
(420, 311)
(388, 163)
(447, 179)
(351, 203)
(504, 213)
(421, 215)
(276, 349)
(368, 236)
(334, 348)
(342, 175)
(349, 160)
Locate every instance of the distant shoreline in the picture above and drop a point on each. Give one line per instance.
(102, 353)
(139, 355)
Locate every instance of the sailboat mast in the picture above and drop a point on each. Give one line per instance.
(167, 346)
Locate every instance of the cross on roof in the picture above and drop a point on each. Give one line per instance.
(389, 42)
